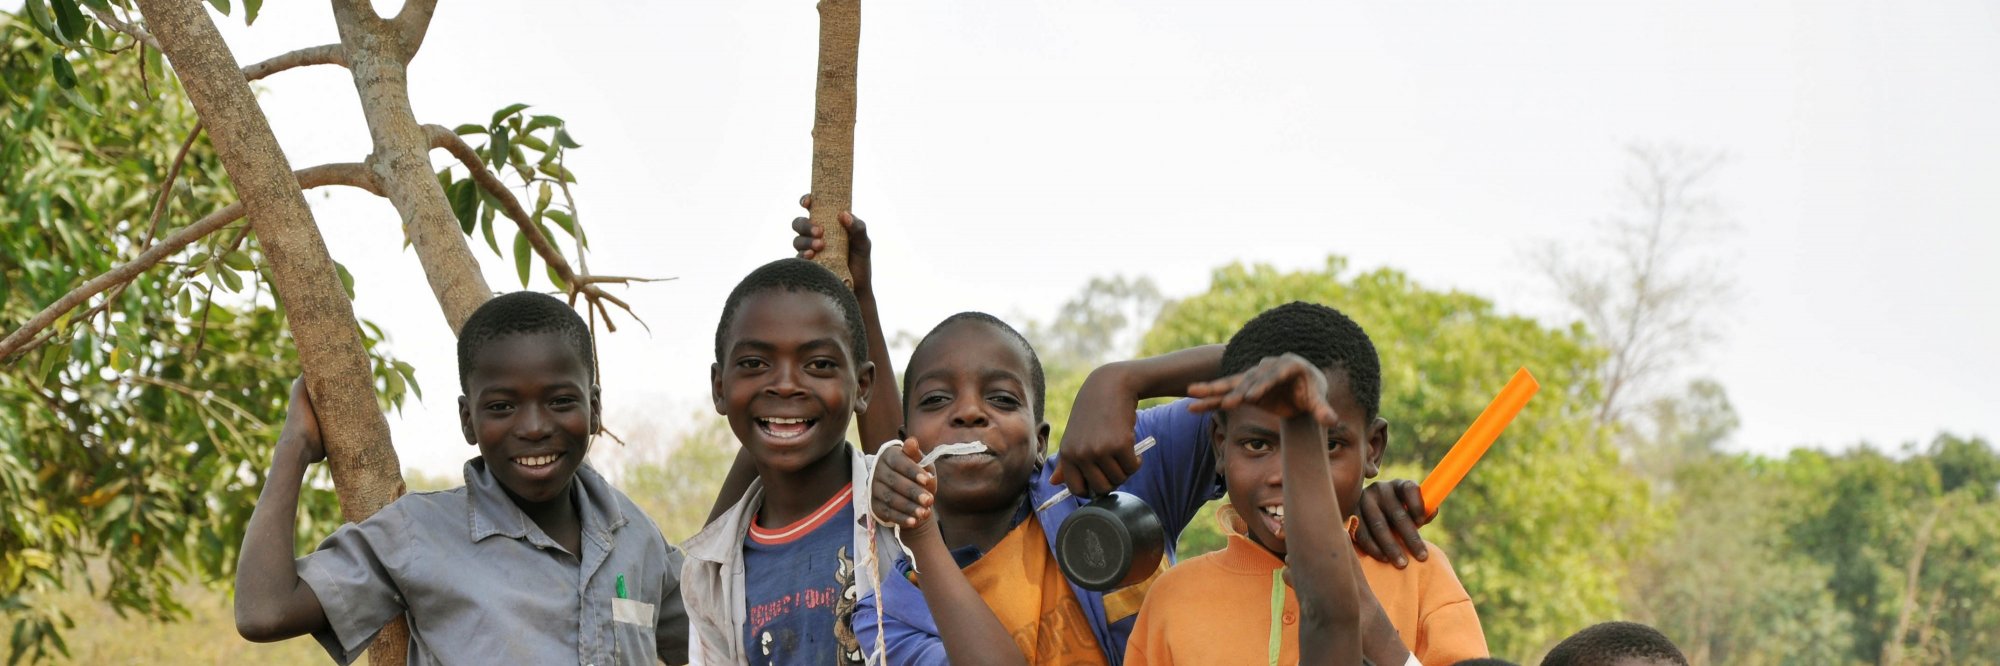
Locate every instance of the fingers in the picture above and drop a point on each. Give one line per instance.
(1399, 518)
(1376, 527)
(1412, 494)
(1072, 477)
(806, 201)
(1095, 481)
(899, 492)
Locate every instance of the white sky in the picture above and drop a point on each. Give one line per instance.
(1010, 150)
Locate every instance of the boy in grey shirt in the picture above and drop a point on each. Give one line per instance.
(534, 560)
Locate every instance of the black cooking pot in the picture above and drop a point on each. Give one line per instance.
(1114, 541)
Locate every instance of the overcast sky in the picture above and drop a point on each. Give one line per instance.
(1008, 151)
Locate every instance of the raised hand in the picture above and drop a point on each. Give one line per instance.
(811, 239)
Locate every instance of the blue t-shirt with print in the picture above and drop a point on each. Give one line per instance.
(799, 588)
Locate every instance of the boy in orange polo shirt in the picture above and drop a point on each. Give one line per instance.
(1223, 607)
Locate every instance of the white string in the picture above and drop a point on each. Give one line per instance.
(881, 652)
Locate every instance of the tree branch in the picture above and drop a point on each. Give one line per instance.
(350, 174)
(411, 24)
(324, 54)
(578, 284)
(137, 32)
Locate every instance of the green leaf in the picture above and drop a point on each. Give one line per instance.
(230, 280)
(563, 139)
(497, 150)
(538, 122)
(54, 358)
(239, 260)
(346, 280)
(486, 228)
(118, 358)
(69, 19)
(555, 278)
(563, 220)
(468, 128)
(220, 6)
(530, 141)
(250, 8)
(65, 76)
(502, 114)
(542, 198)
(464, 203)
(522, 254)
(45, 21)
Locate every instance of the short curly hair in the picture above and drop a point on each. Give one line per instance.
(1322, 335)
(518, 313)
(794, 274)
(1037, 381)
(1606, 643)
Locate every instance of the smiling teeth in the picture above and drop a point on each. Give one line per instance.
(537, 461)
(785, 421)
(1277, 512)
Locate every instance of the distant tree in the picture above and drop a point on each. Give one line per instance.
(1650, 285)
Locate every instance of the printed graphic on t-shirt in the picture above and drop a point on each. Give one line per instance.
(798, 581)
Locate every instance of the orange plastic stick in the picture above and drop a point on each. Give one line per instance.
(1476, 439)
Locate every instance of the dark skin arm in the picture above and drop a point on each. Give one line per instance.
(1097, 453)
(884, 418)
(1321, 566)
(885, 408)
(903, 494)
(272, 602)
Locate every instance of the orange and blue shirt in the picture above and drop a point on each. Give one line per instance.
(1019, 579)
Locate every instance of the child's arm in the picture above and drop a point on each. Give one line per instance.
(903, 494)
(272, 602)
(1097, 442)
(884, 417)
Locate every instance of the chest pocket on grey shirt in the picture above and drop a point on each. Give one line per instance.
(632, 627)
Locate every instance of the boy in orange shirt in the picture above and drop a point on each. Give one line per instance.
(1224, 607)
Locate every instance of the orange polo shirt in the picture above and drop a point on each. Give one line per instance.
(1020, 581)
(1216, 609)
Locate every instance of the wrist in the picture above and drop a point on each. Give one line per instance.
(293, 452)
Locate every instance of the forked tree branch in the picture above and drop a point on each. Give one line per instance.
(578, 284)
(351, 174)
(411, 24)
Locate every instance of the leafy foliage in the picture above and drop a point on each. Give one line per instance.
(137, 434)
(511, 139)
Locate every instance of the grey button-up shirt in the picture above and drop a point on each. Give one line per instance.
(482, 584)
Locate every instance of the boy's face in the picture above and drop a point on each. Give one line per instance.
(788, 381)
(1246, 447)
(970, 382)
(530, 407)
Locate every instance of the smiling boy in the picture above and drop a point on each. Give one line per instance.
(534, 560)
(773, 578)
(1220, 607)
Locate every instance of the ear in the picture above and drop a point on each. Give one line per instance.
(1042, 441)
(596, 409)
(465, 419)
(715, 388)
(864, 378)
(1216, 446)
(1378, 441)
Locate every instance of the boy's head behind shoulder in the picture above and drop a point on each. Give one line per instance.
(1616, 644)
(530, 399)
(1246, 437)
(975, 378)
(791, 363)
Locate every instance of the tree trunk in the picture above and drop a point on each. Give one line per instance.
(378, 52)
(833, 128)
(366, 473)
